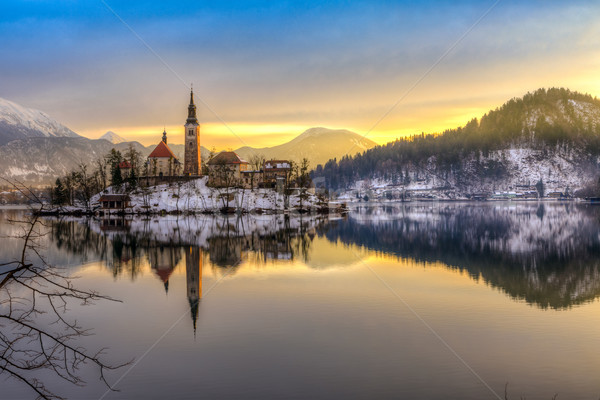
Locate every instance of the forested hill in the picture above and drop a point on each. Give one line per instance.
(482, 155)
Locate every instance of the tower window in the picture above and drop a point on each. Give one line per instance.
(190, 132)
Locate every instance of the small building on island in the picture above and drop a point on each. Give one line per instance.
(110, 202)
(274, 169)
(225, 169)
(162, 161)
(252, 179)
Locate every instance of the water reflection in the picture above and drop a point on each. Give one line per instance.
(125, 245)
(193, 274)
(543, 253)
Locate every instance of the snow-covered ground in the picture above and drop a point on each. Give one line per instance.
(560, 170)
(195, 197)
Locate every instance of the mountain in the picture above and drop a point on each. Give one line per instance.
(35, 149)
(550, 137)
(42, 160)
(317, 144)
(39, 161)
(113, 137)
(18, 122)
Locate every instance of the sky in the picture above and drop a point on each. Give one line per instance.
(265, 71)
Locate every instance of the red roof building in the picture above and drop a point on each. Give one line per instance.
(162, 151)
(162, 161)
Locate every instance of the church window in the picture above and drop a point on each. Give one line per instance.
(190, 132)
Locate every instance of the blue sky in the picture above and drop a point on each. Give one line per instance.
(273, 69)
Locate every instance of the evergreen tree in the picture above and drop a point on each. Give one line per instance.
(114, 159)
(59, 196)
(132, 178)
(116, 178)
(540, 187)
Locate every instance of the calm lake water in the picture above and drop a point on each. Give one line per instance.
(415, 301)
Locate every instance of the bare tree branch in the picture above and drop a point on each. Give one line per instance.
(35, 333)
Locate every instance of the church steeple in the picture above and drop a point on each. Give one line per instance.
(191, 136)
(164, 139)
(192, 109)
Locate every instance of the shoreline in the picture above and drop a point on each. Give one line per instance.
(333, 207)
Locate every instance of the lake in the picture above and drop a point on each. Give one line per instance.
(414, 300)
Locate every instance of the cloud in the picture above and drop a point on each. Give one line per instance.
(285, 65)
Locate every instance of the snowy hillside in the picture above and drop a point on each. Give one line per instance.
(548, 141)
(40, 160)
(18, 122)
(515, 170)
(195, 197)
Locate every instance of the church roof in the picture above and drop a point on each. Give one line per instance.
(163, 273)
(227, 157)
(161, 150)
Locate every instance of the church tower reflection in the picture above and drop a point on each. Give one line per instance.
(163, 260)
(193, 271)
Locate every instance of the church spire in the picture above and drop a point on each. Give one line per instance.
(164, 138)
(192, 109)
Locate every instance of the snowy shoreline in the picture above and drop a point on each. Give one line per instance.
(195, 197)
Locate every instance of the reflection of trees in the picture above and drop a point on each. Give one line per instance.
(231, 241)
(547, 257)
(37, 336)
(228, 240)
(77, 237)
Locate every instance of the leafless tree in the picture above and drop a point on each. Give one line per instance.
(223, 179)
(288, 183)
(36, 334)
(85, 185)
(101, 165)
(257, 161)
(135, 159)
(303, 180)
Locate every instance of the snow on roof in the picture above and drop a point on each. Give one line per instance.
(276, 164)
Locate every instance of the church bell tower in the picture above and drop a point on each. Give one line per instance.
(192, 141)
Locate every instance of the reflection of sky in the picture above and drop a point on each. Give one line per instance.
(272, 69)
(338, 333)
(295, 329)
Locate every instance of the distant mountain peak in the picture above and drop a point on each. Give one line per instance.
(113, 137)
(321, 131)
(317, 144)
(18, 122)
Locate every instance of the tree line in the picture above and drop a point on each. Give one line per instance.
(84, 182)
(544, 119)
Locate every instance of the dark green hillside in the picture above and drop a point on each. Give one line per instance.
(544, 119)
